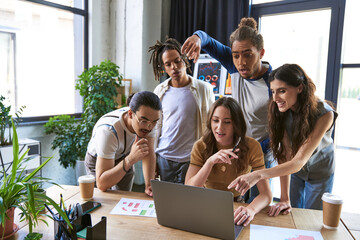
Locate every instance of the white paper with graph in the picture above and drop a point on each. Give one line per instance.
(134, 207)
(259, 232)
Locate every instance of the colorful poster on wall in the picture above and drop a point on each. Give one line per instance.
(210, 72)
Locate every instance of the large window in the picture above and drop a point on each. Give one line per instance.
(321, 36)
(348, 107)
(43, 49)
(299, 37)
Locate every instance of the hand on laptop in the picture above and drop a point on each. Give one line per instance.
(281, 207)
(243, 215)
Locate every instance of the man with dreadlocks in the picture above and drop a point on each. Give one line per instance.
(185, 103)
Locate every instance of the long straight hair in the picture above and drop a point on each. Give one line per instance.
(239, 127)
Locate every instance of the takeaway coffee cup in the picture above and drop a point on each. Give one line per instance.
(331, 210)
(87, 183)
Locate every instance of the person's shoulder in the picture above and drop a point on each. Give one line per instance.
(252, 142)
(200, 144)
(323, 107)
(162, 85)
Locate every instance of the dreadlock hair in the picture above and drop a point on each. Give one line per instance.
(247, 30)
(239, 125)
(158, 50)
(304, 117)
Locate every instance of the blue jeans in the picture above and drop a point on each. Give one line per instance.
(269, 163)
(171, 171)
(308, 193)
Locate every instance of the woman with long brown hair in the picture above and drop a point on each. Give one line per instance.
(300, 127)
(214, 163)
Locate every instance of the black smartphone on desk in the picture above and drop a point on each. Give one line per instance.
(89, 206)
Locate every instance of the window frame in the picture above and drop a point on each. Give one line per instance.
(76, 11)
(335, 36)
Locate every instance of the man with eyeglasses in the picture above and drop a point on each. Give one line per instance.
(185, 102)
(120, 139)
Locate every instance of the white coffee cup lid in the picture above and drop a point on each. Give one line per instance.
(332, 198)
(86, 179)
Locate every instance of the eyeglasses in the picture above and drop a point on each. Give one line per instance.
(145, 123)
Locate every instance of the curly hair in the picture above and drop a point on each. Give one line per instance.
(304, 117)
(247, 30)
(239, 125)
(158, 50)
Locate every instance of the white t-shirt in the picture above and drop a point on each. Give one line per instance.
(178, 125)
(111, 139)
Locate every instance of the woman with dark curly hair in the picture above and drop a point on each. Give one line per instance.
(300, 127)
(224, 152)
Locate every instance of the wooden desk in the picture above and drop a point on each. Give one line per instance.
(352, 223)
(131, 227)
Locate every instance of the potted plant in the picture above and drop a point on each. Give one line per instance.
(98, 87)
(5, 123)
(19, 190)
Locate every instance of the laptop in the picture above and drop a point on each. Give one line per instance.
(200, 210)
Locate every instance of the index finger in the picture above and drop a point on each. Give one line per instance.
(184, 46)
(233, 183)
(272, 210)
(140, 140)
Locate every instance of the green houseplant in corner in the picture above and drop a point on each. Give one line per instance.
(5, 121)
(19, 190)
(98, 87)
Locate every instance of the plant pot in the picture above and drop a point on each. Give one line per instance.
(9, 223)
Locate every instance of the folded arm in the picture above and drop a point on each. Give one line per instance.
(108, 174)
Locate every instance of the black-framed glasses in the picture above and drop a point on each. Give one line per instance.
(144, 122)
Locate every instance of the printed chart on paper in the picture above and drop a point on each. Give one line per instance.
(134, 207)
(258, 232)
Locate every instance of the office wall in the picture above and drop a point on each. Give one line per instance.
(122, 31)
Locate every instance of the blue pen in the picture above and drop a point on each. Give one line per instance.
(51, 212)
(71, 213)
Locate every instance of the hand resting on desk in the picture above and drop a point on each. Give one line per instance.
(283, 207)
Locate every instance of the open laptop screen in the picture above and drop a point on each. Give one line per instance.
(199, 210)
